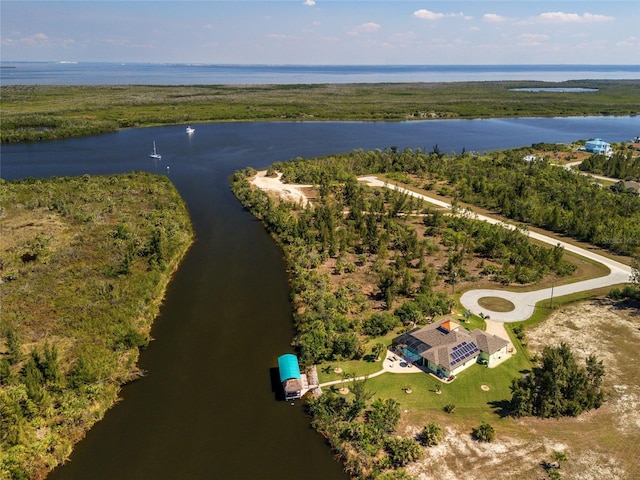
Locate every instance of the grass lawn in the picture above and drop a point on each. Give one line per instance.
(465, 392)
(496, 304)
(355, 368)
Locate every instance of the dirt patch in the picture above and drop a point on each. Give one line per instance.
(26, 225)
(613, 335)
(290, 193)
(603, 443)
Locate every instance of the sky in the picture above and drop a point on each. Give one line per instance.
(322, 32)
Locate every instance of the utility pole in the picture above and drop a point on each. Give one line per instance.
(551, 300)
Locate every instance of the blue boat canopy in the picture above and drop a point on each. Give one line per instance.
(288, 366)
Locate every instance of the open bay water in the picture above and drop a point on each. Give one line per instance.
(87, 73)
(206, 408)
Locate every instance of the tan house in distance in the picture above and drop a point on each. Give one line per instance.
(446, 349)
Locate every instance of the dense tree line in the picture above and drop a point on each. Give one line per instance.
(624, 165)
(532, 192)
(558, 386)
(35, 128)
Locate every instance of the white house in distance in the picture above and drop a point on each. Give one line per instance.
(598, 146)
(445, 348)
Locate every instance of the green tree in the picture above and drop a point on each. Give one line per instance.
(7, 375)
(34, 381)
(14, 346)
(558, 386)
(360, 397)
(50, 366)
(484, 432)
(402, 451)
(379, 324)
(385, 415)
(388, 286)
(395, 475)
(81, 374)
(378, 350)
(635, 277)
(430, 435)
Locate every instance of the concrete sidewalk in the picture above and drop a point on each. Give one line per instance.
(391, 364)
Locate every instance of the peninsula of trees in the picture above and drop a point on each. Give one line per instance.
(365, 264)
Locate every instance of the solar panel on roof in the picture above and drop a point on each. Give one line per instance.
(462, 352)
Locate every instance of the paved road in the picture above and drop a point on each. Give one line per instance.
(569, 166)
(525, 301)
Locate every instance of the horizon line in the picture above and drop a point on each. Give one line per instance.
(73, 62)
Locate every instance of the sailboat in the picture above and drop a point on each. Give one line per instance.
(155, 155)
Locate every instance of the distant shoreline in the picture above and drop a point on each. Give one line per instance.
(137, 73)
(30, 114)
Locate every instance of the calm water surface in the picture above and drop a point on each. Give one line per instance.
(206, 409)
(88, 73)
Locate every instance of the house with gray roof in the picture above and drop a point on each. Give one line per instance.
(446, 349)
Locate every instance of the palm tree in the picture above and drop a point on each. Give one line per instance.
(378, 348)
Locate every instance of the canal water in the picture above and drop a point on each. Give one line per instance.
(206, 408)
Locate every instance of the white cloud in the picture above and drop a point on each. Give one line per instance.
(277, 36)
(403, 38)
(369, 27)
(532, 39)
(310, 3)
(429, 15)
(631, 41)
(561, 17)
(494, 18)
(534, 36)
(35, 40)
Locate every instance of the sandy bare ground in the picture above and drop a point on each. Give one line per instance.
(599, 444)
(288, 192)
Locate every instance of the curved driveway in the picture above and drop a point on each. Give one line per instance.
(525, 301)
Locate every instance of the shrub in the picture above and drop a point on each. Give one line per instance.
(430, 435)
(484, 432)
(402, 451)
